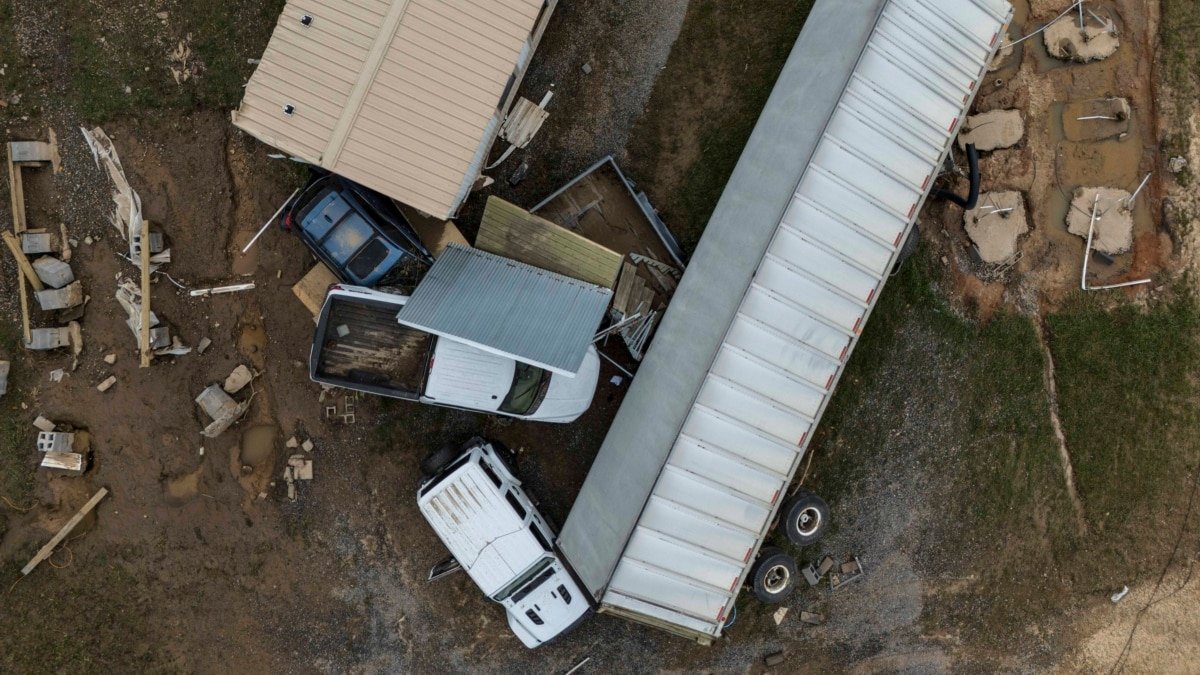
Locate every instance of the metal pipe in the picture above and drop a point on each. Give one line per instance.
(1098, 117)
(1133, 197)
(1123, 285)
(271, 220)
(1080, 14)
(1087, 250)
(1052, 22)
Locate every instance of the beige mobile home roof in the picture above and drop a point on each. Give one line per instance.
(399, 95)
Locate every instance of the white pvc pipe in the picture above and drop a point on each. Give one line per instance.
(272, 219)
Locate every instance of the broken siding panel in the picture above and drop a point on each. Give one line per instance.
(513, 232)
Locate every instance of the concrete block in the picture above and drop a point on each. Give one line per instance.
(107, 383)
(1064, 40)
(43, 424)
(992, 130)
(54, 441)
(49, 338)
(34, 242)
(53, 272)
(5, 366)
(238, 379)
(221, 407)
(996, 224)
(1113, 233)
(70, 295)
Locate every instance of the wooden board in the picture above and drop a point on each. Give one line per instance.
(312, 288)
(46, 550)
(144, 334)
(513, 232)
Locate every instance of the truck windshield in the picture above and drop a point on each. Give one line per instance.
(520, 581)
(527, 383)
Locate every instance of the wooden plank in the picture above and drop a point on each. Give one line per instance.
(144, 334)
(312, 288)
(14, 247)
(624, 287)
(510, 231)
(62, 534)
(16, 193)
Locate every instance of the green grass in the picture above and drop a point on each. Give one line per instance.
(114, 48)
(1179, 36)
(16, 434)
(740, 43)
(1127, 396)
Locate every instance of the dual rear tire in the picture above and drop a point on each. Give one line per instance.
(804, 520)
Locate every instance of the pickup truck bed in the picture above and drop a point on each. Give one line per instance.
(374, 350)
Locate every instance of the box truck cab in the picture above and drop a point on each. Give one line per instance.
(473, 500)
(360, 345)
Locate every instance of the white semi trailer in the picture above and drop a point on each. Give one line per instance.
(691, 476)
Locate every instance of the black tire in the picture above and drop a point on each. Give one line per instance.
(805, 519)
(437, 460)
(774, 576)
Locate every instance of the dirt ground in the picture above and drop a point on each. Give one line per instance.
(196, 564)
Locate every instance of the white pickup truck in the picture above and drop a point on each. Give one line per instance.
(474, 502)
(360, 345)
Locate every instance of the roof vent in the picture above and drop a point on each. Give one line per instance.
(306, 20)
(289, 109)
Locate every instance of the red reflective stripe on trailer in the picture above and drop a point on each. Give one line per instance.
(910, 214)
(925, 183)
(802, 438)
(746, 558)
(897, 241)
(973, 83)
(857, 323)
(994, 36)
(775, 496)
(732, 585)
(843, 356)
(871, 295)
(952, 124)
(721, 616)
(829, 382)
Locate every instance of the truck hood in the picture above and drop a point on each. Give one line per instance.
(557, 603)
(569, 397)
(465, 377)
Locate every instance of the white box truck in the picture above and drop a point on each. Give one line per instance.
(360, 345)
(672, 519)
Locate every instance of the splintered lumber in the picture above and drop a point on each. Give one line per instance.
(66, 529)
(24, 271)
(14, 246)
(144, 334)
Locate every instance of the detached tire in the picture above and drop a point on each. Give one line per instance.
(437, 460)
(774, 576)
(805, 519)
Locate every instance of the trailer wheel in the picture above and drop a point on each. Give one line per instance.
(437, 460)
(805, 518)
(774, 576)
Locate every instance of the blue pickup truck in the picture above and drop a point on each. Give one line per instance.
(358, 233)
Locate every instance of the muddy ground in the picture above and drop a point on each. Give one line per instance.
(197, 564)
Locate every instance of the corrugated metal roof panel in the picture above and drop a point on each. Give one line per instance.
(507, 307)
(402, 96)
(825, 255)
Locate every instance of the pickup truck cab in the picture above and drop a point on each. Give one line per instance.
(360, 345)
(357, 233)
(473, 500)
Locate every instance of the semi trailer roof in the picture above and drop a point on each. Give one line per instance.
(801, 242)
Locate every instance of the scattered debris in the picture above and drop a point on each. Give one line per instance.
(1119, 595)
(107, 383)
(851, 570)
(816, 570)
(616, 380)
(270, 220)
(46, 550)
(577, 666)
(57, 375)
(812, 618)
(1177, 164)
(587, 69)
(70, 463)
(41, 339)
(222, 408)
(205, 292)
(238, 379)
(307, 446)
(43, 424)
(312, 287)
(204, 345)
(5, 366)
(773, 659)
(992, 130)
(996, 224)
(292, 443)
(779, 615)
(301, 467)
(110, 359)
